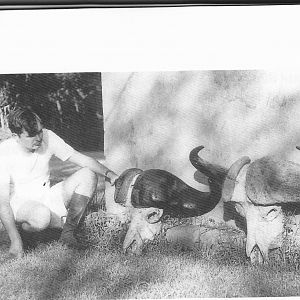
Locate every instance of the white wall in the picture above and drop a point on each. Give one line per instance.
(154, 119)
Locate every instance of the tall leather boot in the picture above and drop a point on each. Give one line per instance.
(76, 211)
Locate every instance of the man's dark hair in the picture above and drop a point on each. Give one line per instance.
(23, 119)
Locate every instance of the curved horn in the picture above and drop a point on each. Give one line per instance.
(229, 183)
(112, 207)
(124, 186)
(162, 189)
(208, 169)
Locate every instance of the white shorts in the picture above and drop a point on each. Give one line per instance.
(52, 197)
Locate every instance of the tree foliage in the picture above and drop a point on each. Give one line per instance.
(68, 103)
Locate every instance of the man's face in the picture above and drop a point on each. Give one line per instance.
(31, 143)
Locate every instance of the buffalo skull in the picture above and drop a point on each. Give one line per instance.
(259, 191)
(141, 198)
(143, 223)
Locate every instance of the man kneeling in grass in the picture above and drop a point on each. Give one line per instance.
(26, 197)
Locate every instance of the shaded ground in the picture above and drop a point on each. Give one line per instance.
(162, 272)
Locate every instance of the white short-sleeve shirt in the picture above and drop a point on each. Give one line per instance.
(29, 172)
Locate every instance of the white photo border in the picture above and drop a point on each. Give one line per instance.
(149, 39)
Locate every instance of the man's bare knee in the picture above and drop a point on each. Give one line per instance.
(89, 175)
(38, 219)
(83, 182)
(87, 180)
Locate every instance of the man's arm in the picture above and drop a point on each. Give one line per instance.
(91, 163)
(7, 218)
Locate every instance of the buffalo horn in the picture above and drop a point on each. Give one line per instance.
(208, 169)
(230, 180)
(123, 184)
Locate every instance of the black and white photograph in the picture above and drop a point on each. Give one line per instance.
(142, 180)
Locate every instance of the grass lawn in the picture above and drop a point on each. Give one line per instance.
(163, 271)
(51, 271)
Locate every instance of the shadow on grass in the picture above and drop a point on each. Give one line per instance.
(55, 272)
(100, 275)
(32, 239)
(56, 282)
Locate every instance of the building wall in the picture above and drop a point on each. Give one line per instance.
(153, 120)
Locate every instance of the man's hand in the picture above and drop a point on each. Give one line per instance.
(16, 249)
(8, 220)
(112, 177)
